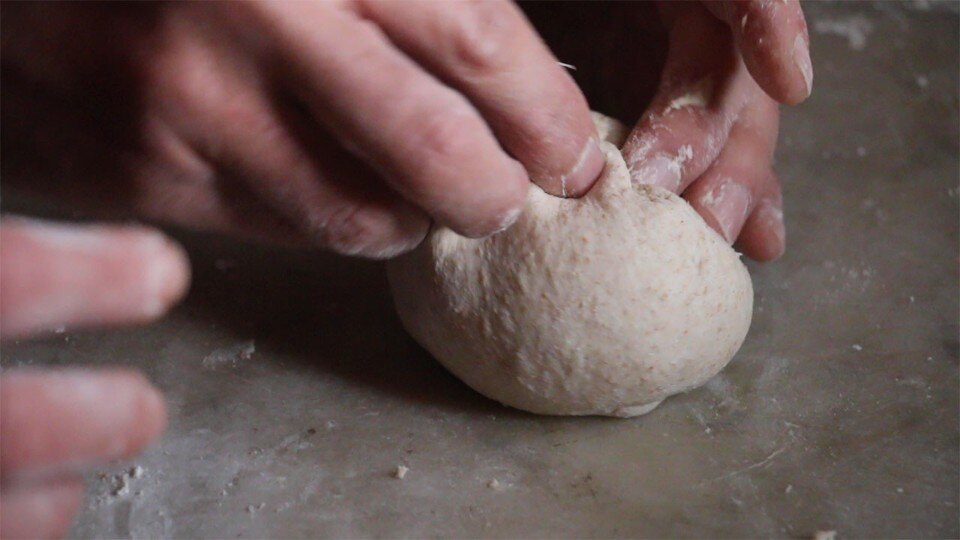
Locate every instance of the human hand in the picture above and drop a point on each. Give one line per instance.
(704, 81)
(347, 124)
(57, 422)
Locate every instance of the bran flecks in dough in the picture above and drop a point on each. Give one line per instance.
(602, 305)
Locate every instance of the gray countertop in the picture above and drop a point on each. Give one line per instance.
(839, 413)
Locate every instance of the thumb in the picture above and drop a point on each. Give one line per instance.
(85, 275)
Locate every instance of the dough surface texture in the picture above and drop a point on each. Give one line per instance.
(603, 305)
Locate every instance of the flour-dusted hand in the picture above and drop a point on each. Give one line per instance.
(711, 129)
(700, 82)
(56, 423)
(346, 124)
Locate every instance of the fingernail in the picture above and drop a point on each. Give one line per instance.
(659, 171)
(801, 56)
(509, 218)
(584, 172)
(770, 219)
(167, 273)
(728, 204)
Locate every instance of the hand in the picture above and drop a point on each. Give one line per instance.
(347, 124)
(56, 423)
(704, 81)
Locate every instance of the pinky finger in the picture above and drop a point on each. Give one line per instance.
(764, 236)
(39, 511)
(73, 275)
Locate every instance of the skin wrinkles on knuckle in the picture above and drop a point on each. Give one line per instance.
(171, 158)
(482, 36)
(366, 49)
(355, 229)
(184, 74)
(196, 104)
(440, 142)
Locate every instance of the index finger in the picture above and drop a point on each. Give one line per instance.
(774, 42)
(490, 52)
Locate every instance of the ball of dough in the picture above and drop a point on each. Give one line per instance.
(601, 305)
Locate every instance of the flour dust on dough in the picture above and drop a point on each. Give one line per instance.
(602, 305)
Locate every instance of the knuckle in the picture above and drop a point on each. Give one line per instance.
(445, 136)
(366, 48)
(483, 34)
(185, 79)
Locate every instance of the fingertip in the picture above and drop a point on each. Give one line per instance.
(508, 218)
(77, 275)
(789, 82)
(801, 59)
(492, 209)
(659, 171)
(588, 169)
(40, 511)
(497, 223)
(776, 49)
(151, 415)
(725, 207)
(139, 416)
(764, 235)
(57, 420)
(378, 229)
(166, 272)
(581, 176)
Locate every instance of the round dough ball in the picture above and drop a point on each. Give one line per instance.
(603, 305)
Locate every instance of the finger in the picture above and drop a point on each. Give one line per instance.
(302, 185)
(773, 38)
(173, 185)
(84, 275)
(489, 51)
(336, 201)
(726, 194)
(69, 419)
(703, 89)
(427, 141)
(764, 236)
(39, 511)
(200, 197)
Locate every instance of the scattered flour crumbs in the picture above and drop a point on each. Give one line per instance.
(496, 485)
(118, 486)
(855, 29)
(231, 355)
